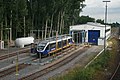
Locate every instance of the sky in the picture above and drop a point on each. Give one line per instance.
(96, 9)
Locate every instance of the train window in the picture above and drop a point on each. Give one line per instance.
(64, 42)
(41, 47)
(53, 45)
(69, 40)
(42, 44)
(48, 47)
(59, 45)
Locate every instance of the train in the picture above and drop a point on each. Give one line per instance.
(52, 45)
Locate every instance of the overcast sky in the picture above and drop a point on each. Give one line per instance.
(96, 9)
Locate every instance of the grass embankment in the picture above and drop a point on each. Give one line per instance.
(100, 69)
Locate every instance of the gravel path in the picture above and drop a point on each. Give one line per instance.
(82, 60)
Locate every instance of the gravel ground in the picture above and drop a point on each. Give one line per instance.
(5, 51)
(11, 61)
(82, 59)
(10, 50)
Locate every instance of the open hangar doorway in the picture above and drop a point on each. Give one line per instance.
(79, 36)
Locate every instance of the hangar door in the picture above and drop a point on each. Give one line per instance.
(93, 36)
(79, 36)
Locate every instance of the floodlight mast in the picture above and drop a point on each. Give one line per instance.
(105, 24)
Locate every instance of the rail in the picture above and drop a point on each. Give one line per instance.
(12, 70)
(115, 73)
(53, 66)
(13, 53)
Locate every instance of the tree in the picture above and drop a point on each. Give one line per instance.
(115, 24)
(85, 19)
(22, 12)
(1, 18)
(46, 15)
(100, 21)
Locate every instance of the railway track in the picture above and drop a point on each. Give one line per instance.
(14, 53)
(12, 69)
(53, 66)
(116, 74)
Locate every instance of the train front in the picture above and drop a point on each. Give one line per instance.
(41, 49)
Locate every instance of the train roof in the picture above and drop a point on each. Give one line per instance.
(54, 39)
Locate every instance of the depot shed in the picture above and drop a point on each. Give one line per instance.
(93, 33)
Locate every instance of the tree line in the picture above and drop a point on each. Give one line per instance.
(85, 19)
(24, 16)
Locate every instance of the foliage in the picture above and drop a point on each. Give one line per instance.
(48, 15)
(87, 73)
(77, 74)
(100, 21)
(115, 24)
(22, 16)
(85, 19)
(101, 61)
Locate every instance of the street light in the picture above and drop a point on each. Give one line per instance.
(10, 33)
(105, 24)
(9, 38)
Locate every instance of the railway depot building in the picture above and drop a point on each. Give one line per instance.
(92, 33)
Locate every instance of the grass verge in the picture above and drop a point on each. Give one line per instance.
(97, 70)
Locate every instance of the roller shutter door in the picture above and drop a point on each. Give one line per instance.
(93, 36)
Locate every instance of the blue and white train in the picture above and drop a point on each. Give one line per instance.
(52, 45)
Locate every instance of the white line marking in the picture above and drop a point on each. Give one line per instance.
(94, 59)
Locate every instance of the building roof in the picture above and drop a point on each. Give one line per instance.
(93, 24)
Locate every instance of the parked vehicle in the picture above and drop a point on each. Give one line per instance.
(52, 45)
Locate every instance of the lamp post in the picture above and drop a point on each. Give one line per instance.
(10, 33)
(105, 24)
(9, 38)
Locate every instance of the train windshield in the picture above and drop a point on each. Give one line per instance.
(41, 46)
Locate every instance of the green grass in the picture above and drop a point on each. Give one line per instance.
(86, 74)
(95, 70)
